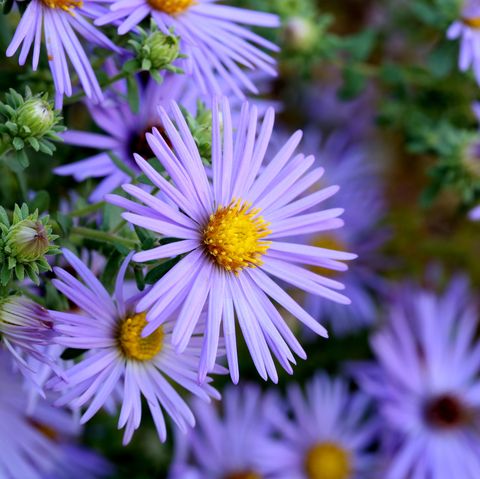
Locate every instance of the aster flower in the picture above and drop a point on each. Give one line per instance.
(119, 358)
(226, 443)
(61, 20)
(426, 383)
(124, 132)
(323, 434)
(40, 445)
(348, 165)
(467, 29)
(211, 37)
(231, 231)
(26, 328)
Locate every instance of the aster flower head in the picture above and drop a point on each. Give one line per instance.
(40, 444)
(227, 440)
(322, 434)
(231, 231)
(215, 44)
(61, 21)
(467, 30)
(426, 383)
(119, 360)
(124, 132)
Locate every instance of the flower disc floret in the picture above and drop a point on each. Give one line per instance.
(172, 7)
(327, 461)
(66, 5)
(234, 236)
(131, 342)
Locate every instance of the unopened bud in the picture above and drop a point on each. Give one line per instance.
(159, 50)
(36, 116)
(28, 240)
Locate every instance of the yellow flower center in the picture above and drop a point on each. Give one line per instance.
(472, 22)
(234, 236)
(327, 461)
(66, 5)
(172, 7)
(132, 344)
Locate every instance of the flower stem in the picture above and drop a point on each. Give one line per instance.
(87, 209)
(103, 236)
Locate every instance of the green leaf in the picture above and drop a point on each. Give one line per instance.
(132, 93)
(161, 270)
(72, 353)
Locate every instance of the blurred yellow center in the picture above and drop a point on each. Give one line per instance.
(172, 7)
(131, 342)
(327, 461)
(67, 5)
(472, 22)
(234, 236)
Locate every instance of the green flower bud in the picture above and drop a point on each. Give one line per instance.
(300, 33)
(36, 117)
(159, 50)
(28, 240)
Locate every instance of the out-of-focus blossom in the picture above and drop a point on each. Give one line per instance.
(61, 20)
(348, 165)
(40, 444)
(324, 434)
(226, 443)
(211, 36)
(231, 230)
(426, 382)
(120, 357)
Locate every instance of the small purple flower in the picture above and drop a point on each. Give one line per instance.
(467, 29)
(41, 444)
(348, 165)
(120, 360)
(226, 444)
(427, 384)
(231, 231)
(61, 21)
(323, 434)
(215, 44)
(124, 132)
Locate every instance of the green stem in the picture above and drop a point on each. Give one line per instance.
(87, 209)
(103, 236)
(22, 183)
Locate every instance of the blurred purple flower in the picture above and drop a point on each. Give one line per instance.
(119, 358)
(226, 444)
(61, 21)
(229, 230)
(211, 38)
(467, 30)
(125, 132)
(427, 384)
(41, 444)
(323, 434)
(348, 165)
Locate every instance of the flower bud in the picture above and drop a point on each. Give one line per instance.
(159, 50)
(28, 240)
(299, 33)
(36, 116)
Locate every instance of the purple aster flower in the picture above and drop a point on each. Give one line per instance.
(124, 132)
(427, 384)
(61, 21)
(348, 165)
(26, 329)
(119, 358)
(226, 444)
(231, 232)
(41, 444)
(467, 29)
(323, 434)
(211, 37)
